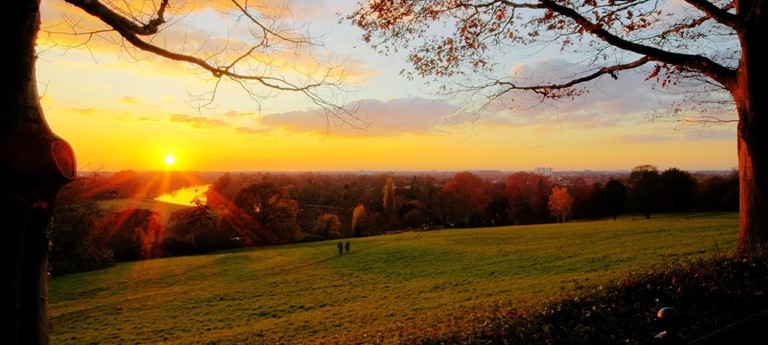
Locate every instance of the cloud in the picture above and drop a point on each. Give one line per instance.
(248, 130)
(687, 134)
(199, 122)
(412, 115)
(607, 102)
(235, 113)
(643, 139)
(130, 100)
(711, 134)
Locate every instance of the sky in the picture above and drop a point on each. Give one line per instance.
(122, 113)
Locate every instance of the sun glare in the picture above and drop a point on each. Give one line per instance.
(170, 160)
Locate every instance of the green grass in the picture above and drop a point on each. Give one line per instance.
(165, 209)
(388, 289)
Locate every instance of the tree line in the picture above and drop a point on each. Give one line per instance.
(258, 209)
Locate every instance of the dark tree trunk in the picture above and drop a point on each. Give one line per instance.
(749, 95)
(34, 165)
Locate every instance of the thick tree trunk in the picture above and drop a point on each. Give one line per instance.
(753, 206)
(751, 101)
(34, 165)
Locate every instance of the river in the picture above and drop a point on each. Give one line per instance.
(185, 195)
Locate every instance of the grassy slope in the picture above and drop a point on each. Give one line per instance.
(165, 209)
(387, 289)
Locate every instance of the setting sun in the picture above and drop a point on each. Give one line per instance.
(170, 160)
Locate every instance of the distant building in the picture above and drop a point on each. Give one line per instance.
(544, 171)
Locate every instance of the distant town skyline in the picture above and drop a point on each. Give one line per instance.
(121, 115)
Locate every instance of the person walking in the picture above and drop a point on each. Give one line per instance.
(347, 246)
(341, 248)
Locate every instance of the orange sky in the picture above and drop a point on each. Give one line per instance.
(120, 114)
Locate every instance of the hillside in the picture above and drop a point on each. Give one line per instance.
(388, 289)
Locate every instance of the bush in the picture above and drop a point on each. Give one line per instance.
(709, 295)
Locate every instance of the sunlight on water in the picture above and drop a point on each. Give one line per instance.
(185, 195)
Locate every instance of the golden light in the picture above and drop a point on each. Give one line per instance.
(170, 160)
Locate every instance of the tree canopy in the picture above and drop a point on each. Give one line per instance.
(713, 50)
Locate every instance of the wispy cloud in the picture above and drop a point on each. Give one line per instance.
(235, 113)
(643, 139)
(200, 122)
(248, 130)
(608, 102)
(130, 100)
(413, 115)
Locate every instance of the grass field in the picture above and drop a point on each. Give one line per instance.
(165, 209)
(388, 289)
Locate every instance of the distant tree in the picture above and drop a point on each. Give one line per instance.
(217, 195)
(644, 189)
(412, 213)
(265, 214)
(328, 226)
(582, 193)
(719, 193)
(560, 203)
(714, 50)
(195, 230)
(678, 190)
(358, 214)
(528, 195)
(74, 245)
(132, 234)
(498, 208)
(465, 195)
(614, 197)
(389, 196)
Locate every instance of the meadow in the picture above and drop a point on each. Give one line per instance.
(388, 289)
(164, 209)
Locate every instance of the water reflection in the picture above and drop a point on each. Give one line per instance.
(185, 195)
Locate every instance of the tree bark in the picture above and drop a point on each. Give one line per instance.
(749, 96)
(34, 165)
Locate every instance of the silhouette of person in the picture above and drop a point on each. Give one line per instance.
(341, 247)
(347, 246)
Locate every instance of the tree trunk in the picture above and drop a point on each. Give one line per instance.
(34, 165)
(749, 96)
(753, 209)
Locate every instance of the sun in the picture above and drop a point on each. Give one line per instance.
(170, 160)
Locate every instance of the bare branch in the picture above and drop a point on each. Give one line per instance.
(117, 21)
(547, 90)
(247, 68)
(693, 23)
(721, 15)
(697, 63)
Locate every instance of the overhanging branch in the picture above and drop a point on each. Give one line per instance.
(698, 63)
(548, 89)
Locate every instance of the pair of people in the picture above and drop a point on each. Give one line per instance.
(342, 246)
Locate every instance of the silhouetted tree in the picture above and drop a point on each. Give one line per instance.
(389, 196)
(614, 196)
(74, 245)
(644, 189)
(132, 234)
(195, 230)
(270, 214)
(498, 208)
(719, 193)
(678, 189)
